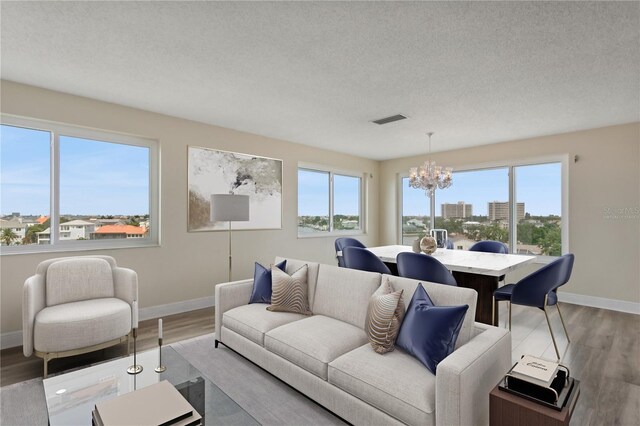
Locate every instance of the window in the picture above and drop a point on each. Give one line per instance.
(416, 212)
(329, 202)
(475, 207)
(480, 206)
(539, 192)
(72, 188)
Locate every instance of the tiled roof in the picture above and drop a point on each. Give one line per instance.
(121, 229)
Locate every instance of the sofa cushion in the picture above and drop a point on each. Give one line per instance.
(443, 295)
(261, 292)
(290, 292)
(252, 321)
(312, 343)
(384, 317)
(344, 294)
(312, 274)
(430, 332)
(395, 383)
(81, 324)
(76, 279)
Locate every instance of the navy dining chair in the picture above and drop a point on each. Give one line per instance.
(362, 259)
(449, 244)
(538, 290)
(343, 242)
(490, 246)
(423, 267)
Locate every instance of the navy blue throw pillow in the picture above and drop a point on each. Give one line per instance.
(261, 292)
(429, 332)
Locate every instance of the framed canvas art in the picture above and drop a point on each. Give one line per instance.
(212, 171)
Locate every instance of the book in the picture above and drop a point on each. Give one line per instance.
(535, 370)
(157, 405)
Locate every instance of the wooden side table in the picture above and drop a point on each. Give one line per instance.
(507, 409)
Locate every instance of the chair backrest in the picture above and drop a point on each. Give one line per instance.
(362, 259)
(490, 246)
(423, 267)
(343, 242)
(532, 289)
(76, 279)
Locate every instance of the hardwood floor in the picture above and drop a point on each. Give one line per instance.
(604, 354)
(15, 367)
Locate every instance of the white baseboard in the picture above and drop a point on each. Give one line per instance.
(14, 338)
(600, 302)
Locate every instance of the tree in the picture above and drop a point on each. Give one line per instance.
(551, 244)
(8, 236)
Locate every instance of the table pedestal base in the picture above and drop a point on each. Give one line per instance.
(485, 285)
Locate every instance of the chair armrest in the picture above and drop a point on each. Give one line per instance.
(229, 296)
(33, 301)
(466, 377)
(125, 286)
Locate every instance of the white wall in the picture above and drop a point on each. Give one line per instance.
(187, 265)
(606, 175)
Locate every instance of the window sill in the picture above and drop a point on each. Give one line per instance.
(74, 247)
(331, 234)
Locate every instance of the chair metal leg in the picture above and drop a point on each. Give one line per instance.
(46, 365)
(555, 345)
(509, 315)
(562, 320)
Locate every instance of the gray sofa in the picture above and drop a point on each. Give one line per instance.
(328, 358)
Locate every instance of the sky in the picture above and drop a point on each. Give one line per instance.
(313, 194)
(96, 178)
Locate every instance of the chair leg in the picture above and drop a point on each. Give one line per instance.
(509, 315)
(544, 308)
(562, 320)
(493, 312)
(46, 365)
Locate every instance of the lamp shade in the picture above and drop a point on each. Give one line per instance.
(229, 207)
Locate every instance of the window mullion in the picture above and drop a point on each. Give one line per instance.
(331, 201)
(513, 212)
(54, 220)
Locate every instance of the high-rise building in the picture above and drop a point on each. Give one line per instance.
(458, 210)
(497, 210)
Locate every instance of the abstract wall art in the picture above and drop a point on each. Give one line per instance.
(212, 171)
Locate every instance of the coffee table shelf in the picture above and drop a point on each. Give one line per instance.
(71, 396)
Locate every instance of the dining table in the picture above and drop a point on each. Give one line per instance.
(471, 269)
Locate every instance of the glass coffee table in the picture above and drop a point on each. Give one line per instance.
(72, 396)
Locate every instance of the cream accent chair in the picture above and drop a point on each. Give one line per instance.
(74, 305)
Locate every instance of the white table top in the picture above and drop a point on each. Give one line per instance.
(474, 262)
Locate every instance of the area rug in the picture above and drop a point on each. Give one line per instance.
(265, 398)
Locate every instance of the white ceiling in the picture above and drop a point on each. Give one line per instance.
(316, 73)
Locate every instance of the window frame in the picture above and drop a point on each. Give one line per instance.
(56, 130)
(361, 202)
(563, 159)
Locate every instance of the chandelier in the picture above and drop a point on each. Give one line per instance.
(429, 176)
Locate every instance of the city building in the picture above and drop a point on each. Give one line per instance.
(72, 230)
(458, 210)
(499, 210)
(118, 231)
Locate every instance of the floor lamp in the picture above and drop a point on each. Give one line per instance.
(229, 208)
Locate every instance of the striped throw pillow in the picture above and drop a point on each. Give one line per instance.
(290, 293)
(384, 317)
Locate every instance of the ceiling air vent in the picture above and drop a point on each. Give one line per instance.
(391, 119)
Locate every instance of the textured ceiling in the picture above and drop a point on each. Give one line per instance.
(316, 73)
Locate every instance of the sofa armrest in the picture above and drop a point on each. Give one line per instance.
(33, 301)
(229, 296)
(466, 377)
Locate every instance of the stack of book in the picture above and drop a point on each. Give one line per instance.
(158, 404)
(534, 370)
